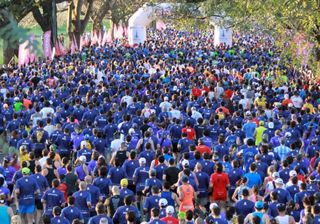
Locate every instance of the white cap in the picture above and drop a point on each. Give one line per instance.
(163, 202)
(279, 181)
(83, 159)
(287, 134)
(16, 98)
(185, 162)
(131, 131)
(290, 105)
(213, 205)
(169, 209)
(248, 113)
(84, 144)
(165, 98)
(271, 125)
(142, 160)
(275, 175)
(292, 173)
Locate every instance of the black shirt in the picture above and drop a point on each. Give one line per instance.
(172, 174)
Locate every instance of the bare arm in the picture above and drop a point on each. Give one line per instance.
(235, 193)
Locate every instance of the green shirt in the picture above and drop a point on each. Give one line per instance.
(17, 106)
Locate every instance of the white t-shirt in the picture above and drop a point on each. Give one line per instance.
(45, 111)
(297, 101)
(127, 99)
(116, 144)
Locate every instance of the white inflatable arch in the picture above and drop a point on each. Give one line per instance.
(140, 20)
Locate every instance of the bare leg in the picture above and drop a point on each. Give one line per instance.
(30, 218)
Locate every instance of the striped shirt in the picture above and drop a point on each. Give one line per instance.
(282, 151)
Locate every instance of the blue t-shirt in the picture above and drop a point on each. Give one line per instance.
(116, 174)
(120, 214)
(244, 207)
(82, 198)
(52, 197)
(141, 174)
(95, 194)
(253, 179)
(96, 219)
(103, 184)
(27, 187)
(71, 213)
(59, 220)
(151, 202)
(249, 129)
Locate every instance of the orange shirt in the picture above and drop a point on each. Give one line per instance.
(188, 197)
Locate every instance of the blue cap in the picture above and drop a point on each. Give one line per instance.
(259, 205)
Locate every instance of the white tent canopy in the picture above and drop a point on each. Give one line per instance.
(139, 21)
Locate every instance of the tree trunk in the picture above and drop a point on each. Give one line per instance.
(97, 24)
(76, 25)
(9, 51)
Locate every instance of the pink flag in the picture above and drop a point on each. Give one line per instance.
(23, 53)
(125, 31)
(160, 25)
(94, 38)
(118, 32)
(32, 54)
(47, 45)
(74, 46)
(86, 40)
(104, 38)
(60, 50)
(109, 36)
(100, 38)
(57, 49)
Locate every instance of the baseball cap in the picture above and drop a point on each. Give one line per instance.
(292, 173)
(271, 125)
(185, 162)
(275, 175)
(142, 160)
(248, 113)
(124, 182)
(83, 159)
(25, 170)
(170, 209)
(261, 123)
(287, 134)
(213, 205)
(259, 205)
(279, 181)
(163, 202)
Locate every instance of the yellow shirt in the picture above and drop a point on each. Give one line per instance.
(310, 106)
(261, 102)
(24, 157)
(259, 134)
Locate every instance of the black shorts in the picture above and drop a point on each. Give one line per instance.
(39, 205)
(175, 147)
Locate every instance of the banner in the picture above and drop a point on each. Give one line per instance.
(160, 25)
(23, 55)
(46, 44)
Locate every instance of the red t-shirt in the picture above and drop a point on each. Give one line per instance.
(220, 181)
(196, 92)
(190, 132)
(170, 220)
(203, 148)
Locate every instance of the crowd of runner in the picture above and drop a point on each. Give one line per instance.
(171, 131)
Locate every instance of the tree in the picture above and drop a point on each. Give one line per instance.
(11, 12)
(76, 24)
